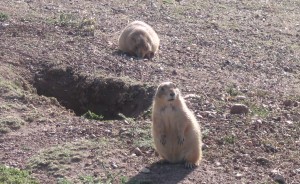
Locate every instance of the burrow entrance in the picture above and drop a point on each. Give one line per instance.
(101, 95)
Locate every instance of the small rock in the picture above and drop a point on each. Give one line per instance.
(122, 130)
(4, 25)
(239, 109)
(240, 97)
(133, 155)
(278, 178)
(288, 69)
(274, 171)
(199, 116)
(145, 170)
(211, 107)
(217, 163)
(193, 96)
(204, 146)
(288, 103)
(107, 131)
(114, 165)
(76, 159)
(289, 122)
(238, 175)
(137, 151)
(276, 118)
(174, 72)
(263, 161)
(297, 170)
(211, 115)
(87, 164)
(271, 148)
(259, 121)
(295, 118)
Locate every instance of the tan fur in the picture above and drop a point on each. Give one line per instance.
(139, 39)
(175, 130)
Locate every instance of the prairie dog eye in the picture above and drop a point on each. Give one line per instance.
(162, 89)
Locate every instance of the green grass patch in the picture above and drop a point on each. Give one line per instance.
(82, 26)
(229, 139)
(89, 179)
(10, 123)
(58, 160)
(259, 111)
(168, 1)
(3, 17)
(143, 136)
(63, 181)
(232, 91)
(90, 115)
(15, 176)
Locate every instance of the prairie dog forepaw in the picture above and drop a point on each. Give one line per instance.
(180, 140)
(189, 165)
(163, 139)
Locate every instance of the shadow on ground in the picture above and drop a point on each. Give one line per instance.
(161, 173)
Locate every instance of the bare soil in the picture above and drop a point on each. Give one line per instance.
(60, 59)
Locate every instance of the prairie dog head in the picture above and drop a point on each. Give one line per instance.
(142, 46)
(167, 92)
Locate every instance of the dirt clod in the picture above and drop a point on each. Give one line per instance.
(137, 151)
(239, 109)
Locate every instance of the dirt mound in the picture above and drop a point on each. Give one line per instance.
(102, 95)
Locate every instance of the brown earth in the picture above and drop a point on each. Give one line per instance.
(218, 52)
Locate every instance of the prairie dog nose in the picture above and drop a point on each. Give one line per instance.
(172, 94)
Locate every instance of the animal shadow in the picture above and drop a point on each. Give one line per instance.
(165, 173)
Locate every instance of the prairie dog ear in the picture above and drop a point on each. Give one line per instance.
(160, 91)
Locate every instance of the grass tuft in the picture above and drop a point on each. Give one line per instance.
(11, 175)
(3, 17)
(91, 115)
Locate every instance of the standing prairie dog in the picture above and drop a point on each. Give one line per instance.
(139, 39)
(175, 130)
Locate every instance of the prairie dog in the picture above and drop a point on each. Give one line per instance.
(139, 39)
(175, 130)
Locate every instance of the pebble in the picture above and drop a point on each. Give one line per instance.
(145, 170)
(240, 97)
(204, 146)
(238, 175)
(122, 130)
(278, 178)
(199, 116)
(211, 115)
(218, 163)
(295, 118)
(289, 122)
(76, 159)
(239, 109)
(137, 151)
(277, 118)
(107, 131)
(114, 165)
(133, 155)
(288, 103)
(259, 121)
(262, 160)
